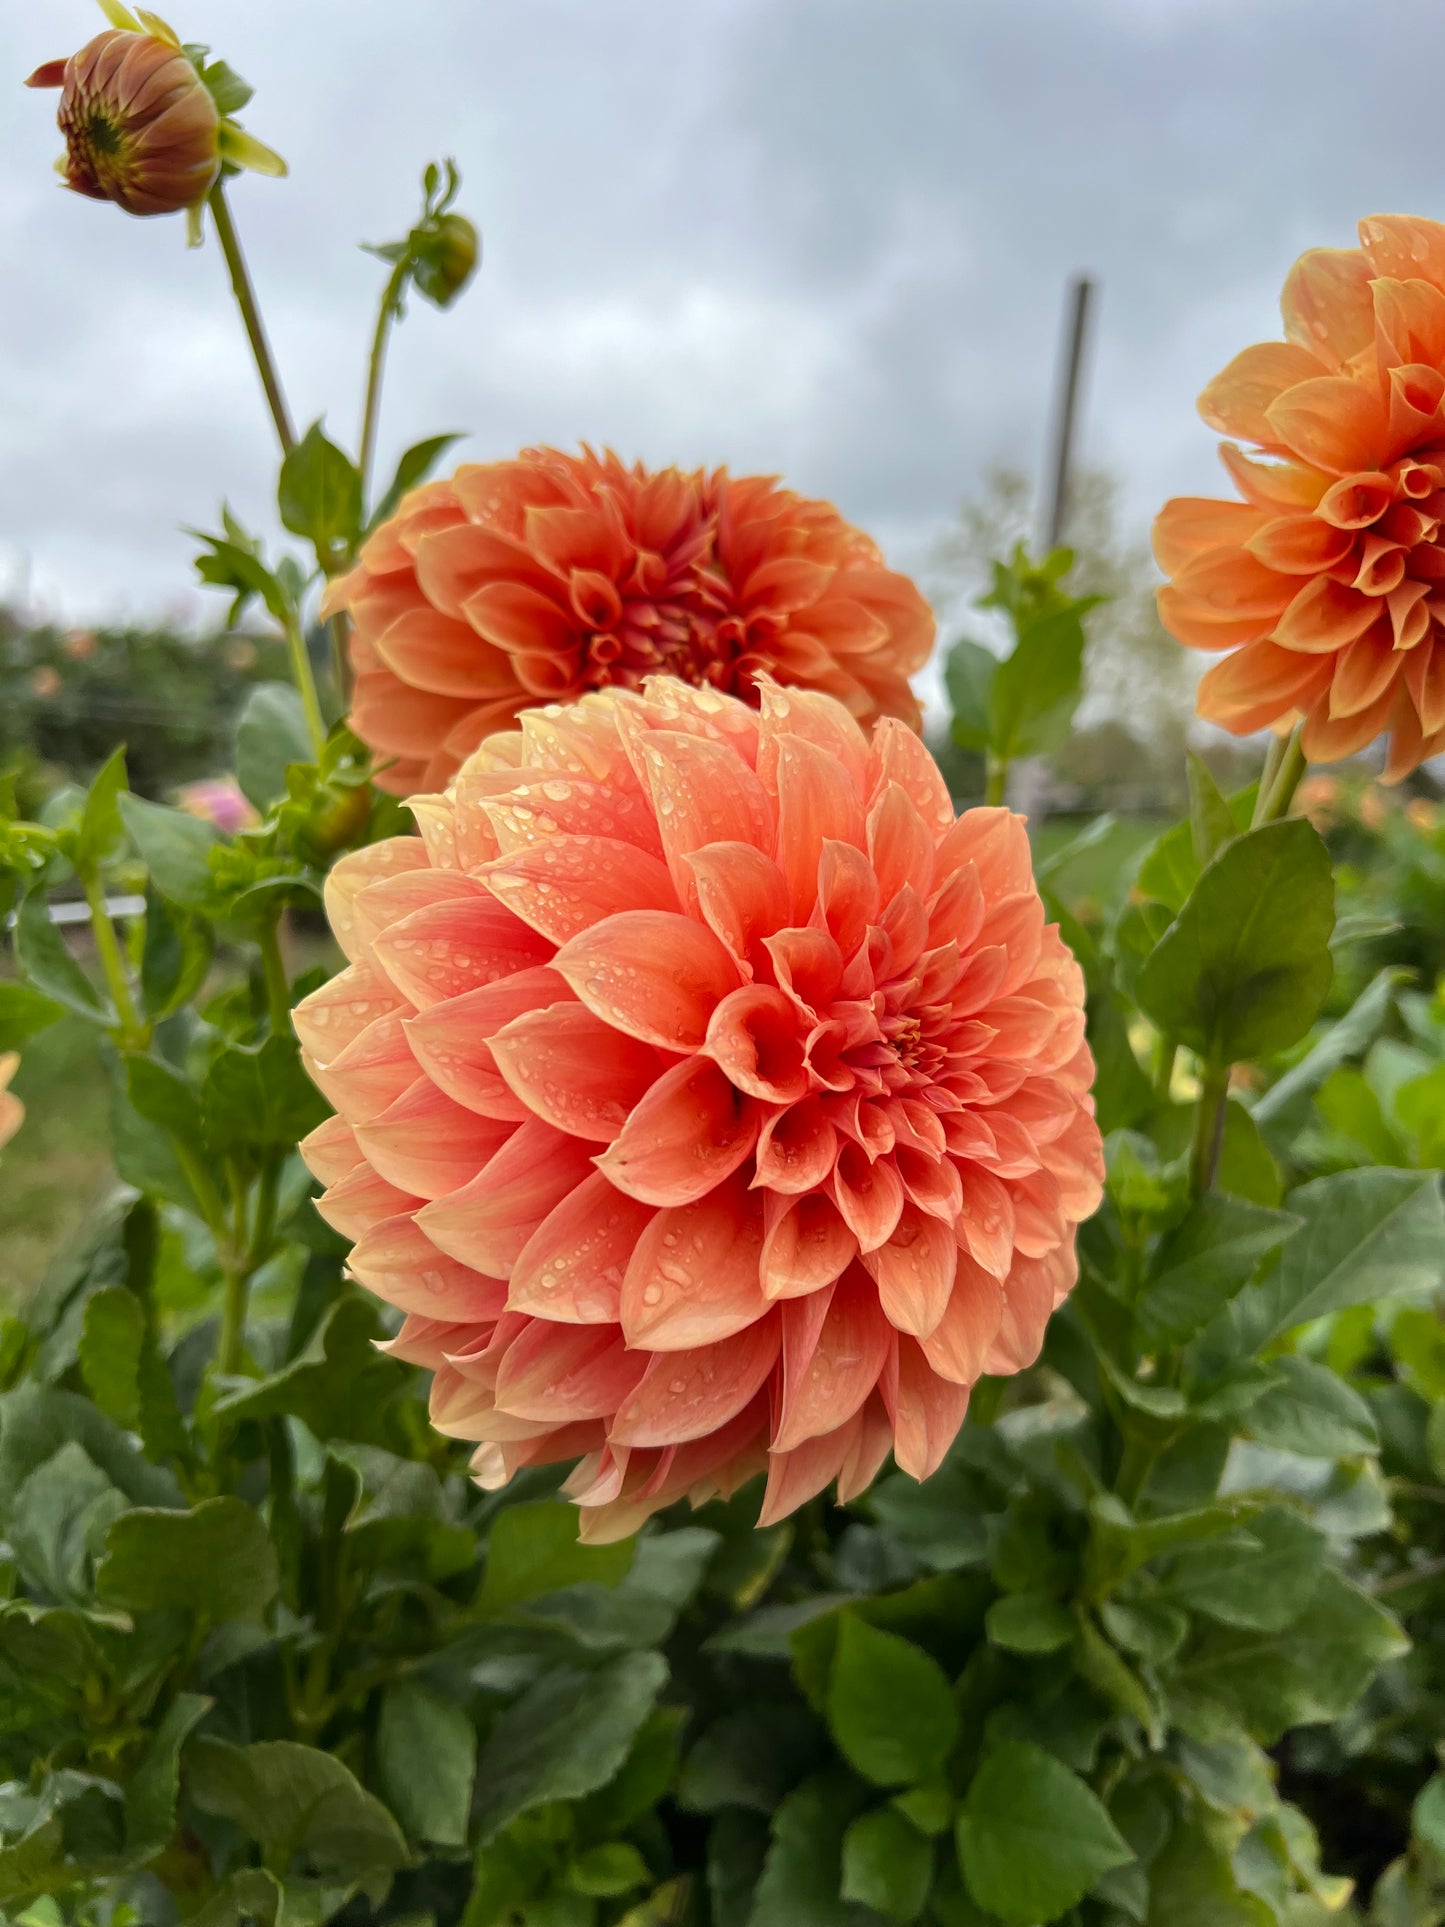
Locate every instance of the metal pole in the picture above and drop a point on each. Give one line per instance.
(1076, 321)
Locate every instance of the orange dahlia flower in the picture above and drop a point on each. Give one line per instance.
(1326, 584)
(709, 1100)
(534, 580)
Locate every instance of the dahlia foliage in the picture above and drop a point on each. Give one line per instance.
(1324, 583)
(535, 580)
(709, 1099)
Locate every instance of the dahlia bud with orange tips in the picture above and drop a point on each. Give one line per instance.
(535, 580)
(1321, 588)
(146, 123)
(709, 1099)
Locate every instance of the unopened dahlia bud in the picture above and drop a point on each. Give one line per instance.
(448, 260)
(146, 122)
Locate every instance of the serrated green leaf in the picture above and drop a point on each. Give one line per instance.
(1263, 1582)
(292, 1798)
(1308, 1409)
(426, 1749)
(216, 1562)
(41, 953)
(887, 1865)
(534, 1549)
(319, 493)
(1032, 1837)
(272, 734)
(890, 1706)
(1206, 1261)
(175, 847)
(23, 1012)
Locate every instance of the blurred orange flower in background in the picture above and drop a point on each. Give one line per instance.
(531, 581)
(710, 1100)
(1326, 584)
(12, 1111)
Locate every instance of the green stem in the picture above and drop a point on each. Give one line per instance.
(213, 1207)
(251, 315)
(1209, 1128)
(1165, 1052)
(273, 968)
(232, 1347)
(1135, 1466)
(263, 1230)
(1276, 790)
(376, 368)
(341, 660)
(996, 780)
(305, 683)
(134, 1032)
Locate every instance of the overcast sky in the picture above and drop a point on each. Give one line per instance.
(824, 238)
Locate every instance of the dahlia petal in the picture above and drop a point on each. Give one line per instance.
(520, 619)
(331, 1151)
(562, 1373)
(702, 794)
(534, 811)
(692, 1130)
(422, 1341)
(434, 652)
(399, 1263)
(1299, 544)
(567, 539)
(573, 1071)
(1425, 680)
(900, 845)
(426, 1144)
(1364, 672)
(804, 716)
(452, 1040)
(959, 1346)
(986, 1226)
(398, 720)
(869, 1195)
(1409, 322)
(1356, 501)
(449, 948)
(956, 913)
(486, 1220)
(686, 1395)
(835, 1345)
(1200, 628)
(1234, 585)
(386, 901)
(816, 800)
(693, 1278)
(849, 898)
(930, 1182)
(1334, 423)
(1405, 246)
(871, 1445)
(741, 894)
(796, 1148)
(336, 1013)
(360, 1200)
(903, 759)
(809, 967)
(1259, 685)
(1326, 304)
(1191, 525)
(1329, 739)
(571, 1268)
(785, 583)
(754, 1036)
(797, 1476)
(1413, 405)
(1325, 615)
(353, 873)
(373, 1071)
(927, 1412)
(996, 842)
(1237, 401)
(914, 1272)
(653, 974)
(1272, 484)
(807, 1246)
(569, 883)
(1029, 1297)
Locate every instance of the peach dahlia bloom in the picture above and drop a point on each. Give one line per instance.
(1326, 584)
(708, 1099)
(534, 580)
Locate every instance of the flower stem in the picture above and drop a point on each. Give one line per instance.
(134, 1033)
(1165, 1052)
(273, 967)
(1280, 781)
(232, 1347)
(996, 781)
(251, 315)
(305, 681)
(376, 368)
(1209, 1128)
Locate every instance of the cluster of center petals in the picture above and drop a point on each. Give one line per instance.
(1327, 582)
(532, 581)
(710, 1100)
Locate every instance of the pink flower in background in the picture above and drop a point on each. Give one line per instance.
(709, 1099)
(218, 800)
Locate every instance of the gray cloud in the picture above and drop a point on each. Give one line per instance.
(821, 237)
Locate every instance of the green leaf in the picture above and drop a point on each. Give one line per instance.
(58, 1521)
(339, 1387)
(426, 1750)
(749, 1757)
(1170, 869)
(259, 1096)
(566, 1736)
(1427, 1816)
(271, 735)
(648, 1773)
(939, 1521)
(1201, 1265)
(292, 1799)
(175, 847)
(152, 1789)
(1032, 1837)
(1366, 1235)
(162, 1096)
(42, 955)
(226, 87)
(319, 495)
(1284, 1108)
(1036, 688)
(887, 1865)
(1026, 1622)
(1264, 1582)
(604, 1872)
(534, 1549)
(1242, 971)
(1312, 1670)
(968, 671)
(125, 1373)
(890, 1706)
(1311, 1410)
(175, 958)
(101, 828)
(801, 1876)
(23, 1012)
(1211, 821)
(216, 1562)
(414, 467)
(36, 1421)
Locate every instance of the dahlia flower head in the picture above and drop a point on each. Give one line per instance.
(710, 1101)
(1325, 585)
(532, 581)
